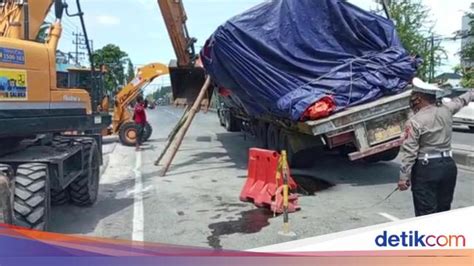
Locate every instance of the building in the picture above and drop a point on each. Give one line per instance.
(452, 79)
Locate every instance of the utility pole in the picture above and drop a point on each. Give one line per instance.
(79, 42)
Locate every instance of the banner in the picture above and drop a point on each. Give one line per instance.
(13, 84)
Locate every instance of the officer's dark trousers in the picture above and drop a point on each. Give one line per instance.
(433, 185)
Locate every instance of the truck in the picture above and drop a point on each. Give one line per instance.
(369, 131)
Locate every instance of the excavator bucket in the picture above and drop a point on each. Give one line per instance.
(186, 83)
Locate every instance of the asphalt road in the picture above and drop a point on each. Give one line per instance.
(463, 136)
(197, 203)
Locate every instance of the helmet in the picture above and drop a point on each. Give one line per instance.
(426, 88)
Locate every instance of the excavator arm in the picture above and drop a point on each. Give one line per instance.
(22, 19)
(127, 94)
(186, 72)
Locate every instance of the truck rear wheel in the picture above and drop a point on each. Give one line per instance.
(128, 133)
(261, 134)
(273, 135)
(83, 191)
(221, 117)
(147, 131)
(232, 123)
(32, 196)
(471, 128)
(295, 160)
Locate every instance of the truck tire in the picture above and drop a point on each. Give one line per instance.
(147, 131)
(261, 134)
(273, 135)
(471, 128)
(128, 134)
(59, 197)
(295, 160)
(32, 205)
(6, 170)
(84, 190)
(231, 123)
(387, 155)
(6, 176)
(221, 118)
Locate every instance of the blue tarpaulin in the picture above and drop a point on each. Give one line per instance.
(282, 56)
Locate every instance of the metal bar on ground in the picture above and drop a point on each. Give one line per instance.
(184, 129)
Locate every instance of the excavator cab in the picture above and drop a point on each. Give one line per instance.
(186, 72)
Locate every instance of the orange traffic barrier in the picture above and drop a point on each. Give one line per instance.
(261, 185)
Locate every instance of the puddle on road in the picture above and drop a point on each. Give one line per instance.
(250, 222)
(309, 185)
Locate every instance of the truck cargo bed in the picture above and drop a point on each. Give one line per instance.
(357, 114)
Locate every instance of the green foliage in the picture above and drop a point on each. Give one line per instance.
(130, 71)
(414, 28)
(161, 93)
(467, 53)
(115, 60)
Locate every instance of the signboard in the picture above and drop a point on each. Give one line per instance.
(12, 56)
(13, 84)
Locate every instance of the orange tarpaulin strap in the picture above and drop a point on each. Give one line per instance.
(320, 109)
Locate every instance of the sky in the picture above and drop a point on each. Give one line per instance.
(138, 28)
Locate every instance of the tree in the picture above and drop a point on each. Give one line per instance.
(114, 60)
(415, 31)
(467, 52)
(130, 71)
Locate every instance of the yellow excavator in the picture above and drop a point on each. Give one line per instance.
(122, 122)
(186, 74)
(40, 165)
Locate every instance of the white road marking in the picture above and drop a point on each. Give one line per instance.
(388, 216)
(138, 221)
(171, 113)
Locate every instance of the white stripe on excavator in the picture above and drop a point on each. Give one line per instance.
(138, 219)
(388, 216)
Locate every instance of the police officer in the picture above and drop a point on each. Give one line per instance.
(427, 164)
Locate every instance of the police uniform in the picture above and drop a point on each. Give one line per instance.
(426, 152)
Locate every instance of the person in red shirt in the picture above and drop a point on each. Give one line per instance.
(140, 119)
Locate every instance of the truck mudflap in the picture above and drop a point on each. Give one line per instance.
(375, 149)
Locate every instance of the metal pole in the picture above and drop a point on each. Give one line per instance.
(182, 132)
(432, 60)
(386, 8)
(172, 136)
(286, 220)
(26, 20)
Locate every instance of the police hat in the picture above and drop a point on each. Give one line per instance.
(426, 88)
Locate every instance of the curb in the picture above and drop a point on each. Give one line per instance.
(464, 156)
